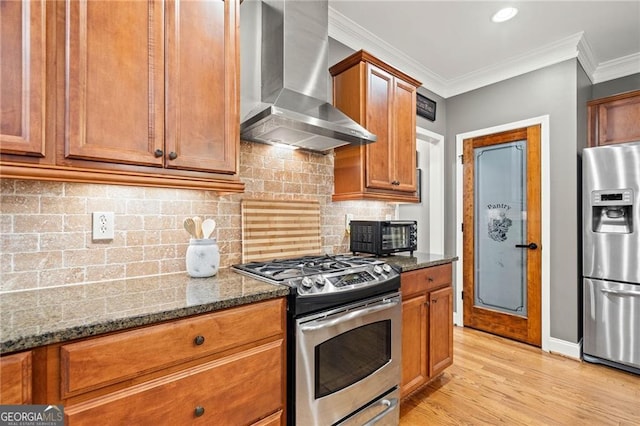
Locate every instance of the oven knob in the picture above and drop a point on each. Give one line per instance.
(319, 280)
(377, 269)
(306, 282)
(386, 268)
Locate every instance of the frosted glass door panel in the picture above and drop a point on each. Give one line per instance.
(500, 215)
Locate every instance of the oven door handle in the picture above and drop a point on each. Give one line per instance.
(348, 316)
(391, 404)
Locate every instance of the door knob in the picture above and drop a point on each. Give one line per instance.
(530, 246)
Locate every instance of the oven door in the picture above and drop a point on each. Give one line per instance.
(346, 358)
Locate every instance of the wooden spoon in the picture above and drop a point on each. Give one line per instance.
(190, 226)
(197, 220)
(208, 225)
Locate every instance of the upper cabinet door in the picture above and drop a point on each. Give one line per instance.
(614, 119)
(202, 119)
(114, 82)
(379, 95)
(22, 86)
(404, 131)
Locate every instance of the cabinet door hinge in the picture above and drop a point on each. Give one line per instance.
(462, 227)
(461, 158)
(462, 295)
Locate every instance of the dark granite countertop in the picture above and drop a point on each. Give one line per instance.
(418, 261)
(49, 315)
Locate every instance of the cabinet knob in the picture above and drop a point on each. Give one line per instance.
(198, 340)
(199, 411)
(430, 279)
(173, 155)
(158, 153)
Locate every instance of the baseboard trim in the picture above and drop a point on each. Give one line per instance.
(564, 348)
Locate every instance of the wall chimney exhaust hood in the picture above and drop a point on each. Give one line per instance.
(285, 80)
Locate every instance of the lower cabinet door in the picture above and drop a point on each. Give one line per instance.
(238, 389)
(15, 378)
(414, 343)
(276, 419)
(440, 330)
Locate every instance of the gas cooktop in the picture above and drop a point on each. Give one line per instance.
(317, 275)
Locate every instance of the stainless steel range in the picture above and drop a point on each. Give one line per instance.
(344, 338)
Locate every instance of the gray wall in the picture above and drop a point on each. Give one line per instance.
(553, 91)
(613, 87)
(584, 92)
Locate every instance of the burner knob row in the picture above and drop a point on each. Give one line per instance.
(308, 282)
(378, 269)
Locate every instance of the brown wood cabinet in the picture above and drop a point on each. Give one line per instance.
(226, 367)
(23, 69)
(141, 93)
(614, 119)
(16, 378)
(383, 100)
(427, 325)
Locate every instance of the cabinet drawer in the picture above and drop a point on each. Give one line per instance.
(425, 279)
(236, 390)
(15, 379)
(98, 362)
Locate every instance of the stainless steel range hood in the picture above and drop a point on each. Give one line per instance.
(284, 86)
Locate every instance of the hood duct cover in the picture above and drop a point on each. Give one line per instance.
(285, 78)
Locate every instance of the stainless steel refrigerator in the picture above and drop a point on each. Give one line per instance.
(611, 255)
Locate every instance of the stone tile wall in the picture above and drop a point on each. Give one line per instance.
(46, 226)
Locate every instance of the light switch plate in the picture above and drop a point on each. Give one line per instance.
(103, 226)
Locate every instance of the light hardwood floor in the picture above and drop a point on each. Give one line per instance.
(499, 381)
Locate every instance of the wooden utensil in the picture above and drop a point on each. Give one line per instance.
(190, 227)
(208, 225)
(197, 220)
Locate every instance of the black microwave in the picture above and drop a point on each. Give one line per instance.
(383, 237)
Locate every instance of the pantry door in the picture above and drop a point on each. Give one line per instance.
(502, 234)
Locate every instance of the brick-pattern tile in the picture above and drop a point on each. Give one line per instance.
(46, 226)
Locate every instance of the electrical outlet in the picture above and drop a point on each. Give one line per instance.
(347, 219)
(103, 226)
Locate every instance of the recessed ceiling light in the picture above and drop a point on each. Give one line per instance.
(504, 14)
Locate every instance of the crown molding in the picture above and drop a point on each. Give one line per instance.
(542, 57)
(586, 57)
(617, 68)
(354, 36)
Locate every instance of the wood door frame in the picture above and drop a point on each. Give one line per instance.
(545, 189)
(509, 324)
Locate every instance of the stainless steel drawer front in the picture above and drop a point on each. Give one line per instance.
(612, 321)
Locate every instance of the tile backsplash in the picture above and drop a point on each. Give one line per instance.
(46, 226)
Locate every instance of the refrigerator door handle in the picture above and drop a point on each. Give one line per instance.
(621, 292)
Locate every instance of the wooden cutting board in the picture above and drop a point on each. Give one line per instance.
(279, 229)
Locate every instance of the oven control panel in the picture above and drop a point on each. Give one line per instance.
(352, 278)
